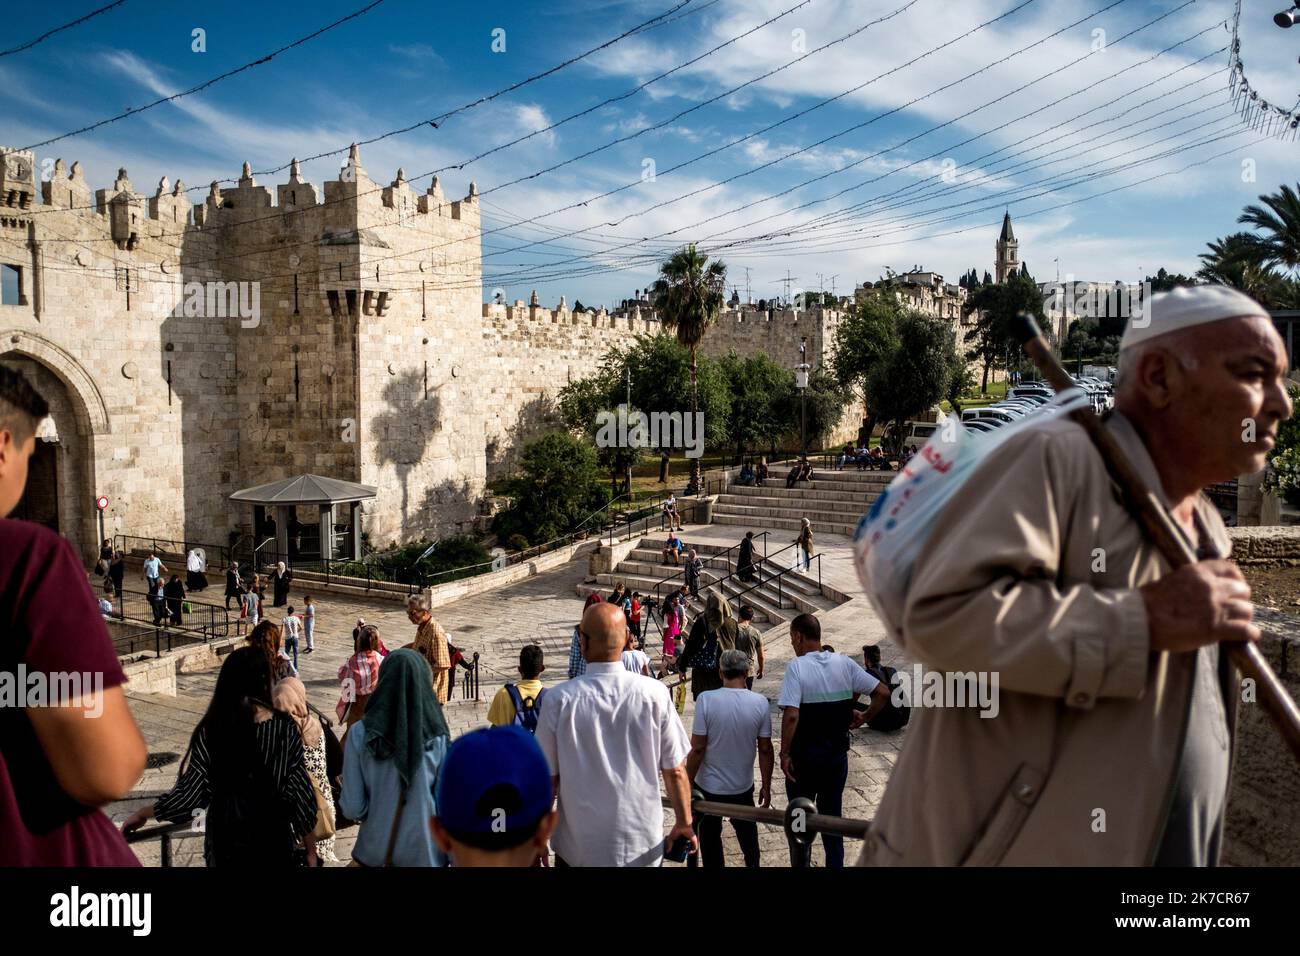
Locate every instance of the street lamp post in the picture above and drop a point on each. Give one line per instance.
(801, 383)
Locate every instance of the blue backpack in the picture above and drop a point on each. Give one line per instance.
(525, 707)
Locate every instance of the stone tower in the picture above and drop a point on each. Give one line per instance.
(1008, 255)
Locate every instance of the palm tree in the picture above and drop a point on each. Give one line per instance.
(1280, 223)
(689, 295)
(1236, 261)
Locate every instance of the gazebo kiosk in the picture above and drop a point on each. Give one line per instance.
(334, 541)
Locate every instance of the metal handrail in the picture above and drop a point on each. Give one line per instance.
(163, 833)
(169, 546)
(217, 625)
(713, 557)
(778, 576)
(645, 518)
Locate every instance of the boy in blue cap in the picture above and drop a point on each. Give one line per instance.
(495, 804)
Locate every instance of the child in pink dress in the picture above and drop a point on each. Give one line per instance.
(672, 628)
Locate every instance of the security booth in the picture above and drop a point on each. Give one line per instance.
(331, 532)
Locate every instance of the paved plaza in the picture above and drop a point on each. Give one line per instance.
(497, 624)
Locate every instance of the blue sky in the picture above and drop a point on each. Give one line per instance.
(930, 202)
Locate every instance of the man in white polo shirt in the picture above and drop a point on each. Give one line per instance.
(609, 736)
(732, 724)
(818, 693)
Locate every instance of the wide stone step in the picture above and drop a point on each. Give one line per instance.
(802, 493)
(818, 517)
(848, 475)
(765, 610)
(715, 565)
(825, 481)
(791, 591)
(791, 524)
(785, 504)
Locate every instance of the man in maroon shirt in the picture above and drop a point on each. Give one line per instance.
(62, 755)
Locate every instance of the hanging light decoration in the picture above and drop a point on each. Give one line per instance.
(1256, 112)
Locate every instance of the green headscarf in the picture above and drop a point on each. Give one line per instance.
(403, 717)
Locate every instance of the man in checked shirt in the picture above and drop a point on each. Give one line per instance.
(430, 642)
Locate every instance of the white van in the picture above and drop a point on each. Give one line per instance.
(916, 434)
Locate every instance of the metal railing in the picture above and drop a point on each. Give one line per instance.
(199, 621)
(722, 555)
(648, 514)
(171, 549)
(163, 833)
(779, 575)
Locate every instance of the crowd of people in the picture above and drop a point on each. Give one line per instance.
(572, 770)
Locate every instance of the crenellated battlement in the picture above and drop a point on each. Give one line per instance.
(533, 312)
(353, 193)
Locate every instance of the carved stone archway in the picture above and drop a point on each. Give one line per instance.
(62, 363)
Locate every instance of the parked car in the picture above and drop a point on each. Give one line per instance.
(1031, 391)
(1034, 398)
(981, 427)
(916, 434)
(1005, 416)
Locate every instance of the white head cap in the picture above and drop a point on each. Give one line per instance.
(1185, 307)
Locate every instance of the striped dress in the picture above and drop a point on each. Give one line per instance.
(284, 816)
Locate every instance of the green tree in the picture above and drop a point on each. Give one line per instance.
(580, 404)
(823, 404)
(917, 374)
(660, 378)
(661, 382)
(864, 339)
(756, 385)
(558, 485)
(997, 305)
(1163, 280)
(689, 297)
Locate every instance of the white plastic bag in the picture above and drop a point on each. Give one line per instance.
(892, 533)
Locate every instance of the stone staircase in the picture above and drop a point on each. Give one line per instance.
(834, 501)
(775, 601)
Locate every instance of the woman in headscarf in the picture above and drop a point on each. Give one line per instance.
(359, 676)
(245, 769)
(745, 560)
(290, 697)
(390, 767)
(234, 586)
(195, 566)
(174, 592)
(805, 542)
(282, 577)
(710, 635)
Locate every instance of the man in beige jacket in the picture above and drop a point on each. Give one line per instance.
(1112, 742)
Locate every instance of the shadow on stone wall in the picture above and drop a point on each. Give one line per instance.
(403, 430)
(536, 417)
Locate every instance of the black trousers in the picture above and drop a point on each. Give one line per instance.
(709, 830)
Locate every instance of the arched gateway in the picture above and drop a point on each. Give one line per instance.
(61, 479)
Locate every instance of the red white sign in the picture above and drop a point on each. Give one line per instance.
(101, 502)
